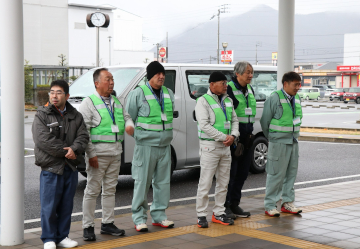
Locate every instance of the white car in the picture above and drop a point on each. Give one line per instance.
(328, 92)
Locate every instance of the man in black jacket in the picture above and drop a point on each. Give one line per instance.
(60, 138)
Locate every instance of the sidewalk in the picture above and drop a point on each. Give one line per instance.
(330, 219)
(324, 134)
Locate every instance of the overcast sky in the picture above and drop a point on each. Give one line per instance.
(174, 17)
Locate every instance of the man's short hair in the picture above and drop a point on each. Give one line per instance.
(97, 72)
(61, 83)
(290, 76)
(241, 66)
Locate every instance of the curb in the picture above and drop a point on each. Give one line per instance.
(329, 139)
(329, 128)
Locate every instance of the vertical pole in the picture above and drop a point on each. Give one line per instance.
(109, 50)
(157, 51)
(285, 39)
(12, 115)
(167, 47)
(342, 80)
(218, 40)
(97, 46)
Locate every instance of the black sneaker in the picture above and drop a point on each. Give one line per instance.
(89, 234)
(202, 222)
(111, 229)
(238, 211)
(222, 219)
(229, 213)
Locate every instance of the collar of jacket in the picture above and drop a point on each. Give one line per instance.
(50, 108)
(215, 96)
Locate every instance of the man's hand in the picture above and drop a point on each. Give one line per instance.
(129, 130)
(94, 162)
(229, 140)
(70, 153)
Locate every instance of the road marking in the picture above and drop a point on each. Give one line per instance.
(330, 113)
(244, 191)
(29, 156)
(28, 149)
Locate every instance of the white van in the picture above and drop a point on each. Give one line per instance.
(188, 82)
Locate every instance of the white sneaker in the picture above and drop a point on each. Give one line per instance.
(141, 227)
(164, 223)
(272, 212)
(50, 245)
(68, 243)
(289, 207)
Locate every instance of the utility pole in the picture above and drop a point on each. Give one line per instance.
(157, 50)
(256, 45)
(223, 9)
(167, 47)
(97, 46)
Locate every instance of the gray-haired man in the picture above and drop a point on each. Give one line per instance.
(243, 97)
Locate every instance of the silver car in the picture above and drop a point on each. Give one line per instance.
(188, 82)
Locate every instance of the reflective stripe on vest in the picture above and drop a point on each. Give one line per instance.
(103, 132)
(285, 123)
(240, 110)
(153, 122)
(220, 118)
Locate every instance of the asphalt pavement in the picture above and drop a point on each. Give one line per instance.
(319, 164)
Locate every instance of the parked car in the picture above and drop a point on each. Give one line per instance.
(188, 82)
(328, 92)
(322, 89)
(338, 93)
(352, 95)
(309, 93)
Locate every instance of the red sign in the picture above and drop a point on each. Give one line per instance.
(229, 56)
(162, 52)
(348, 68)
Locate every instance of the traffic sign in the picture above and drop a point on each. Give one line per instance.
(162, 52)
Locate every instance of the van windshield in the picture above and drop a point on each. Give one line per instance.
(84, 86)
(354, 90)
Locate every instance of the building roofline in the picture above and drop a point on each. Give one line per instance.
(91, 6)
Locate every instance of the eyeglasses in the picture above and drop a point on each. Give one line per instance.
(224, 83)
(56, 93)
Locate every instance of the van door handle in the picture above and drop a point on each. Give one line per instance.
(194, 116)
(175, 114)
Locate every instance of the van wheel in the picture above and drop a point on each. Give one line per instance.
(307, 97)
(345, 102)
(358, 101)
(259, 151)
(84, 174)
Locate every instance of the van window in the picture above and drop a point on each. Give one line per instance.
(314, 90)
(264, 83)
(198, 81)
(170, 78)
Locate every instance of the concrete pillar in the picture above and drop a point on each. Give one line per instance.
(285, 39)
(12, 117)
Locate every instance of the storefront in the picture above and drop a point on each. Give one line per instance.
(350, 76)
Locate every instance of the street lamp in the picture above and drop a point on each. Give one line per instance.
(224, 44)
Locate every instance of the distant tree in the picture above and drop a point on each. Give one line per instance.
(62, 61)
(28, 80)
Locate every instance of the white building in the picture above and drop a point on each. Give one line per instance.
(57, 27)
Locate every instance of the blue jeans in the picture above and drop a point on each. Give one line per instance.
(57, 196)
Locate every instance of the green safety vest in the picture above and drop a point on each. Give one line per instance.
(285, 123)
(103, 133)
(220, 118)
(153, 122)
(251, 102)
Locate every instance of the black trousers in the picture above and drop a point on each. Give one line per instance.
(238, 173)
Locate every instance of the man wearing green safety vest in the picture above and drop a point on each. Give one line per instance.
(106, 121)
(280, 121)
(151, 108)
(217, 130)
(242, 95)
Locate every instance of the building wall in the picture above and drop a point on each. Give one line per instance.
(45, 31)
(82, 39)
(352, 49)
(126, 42)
